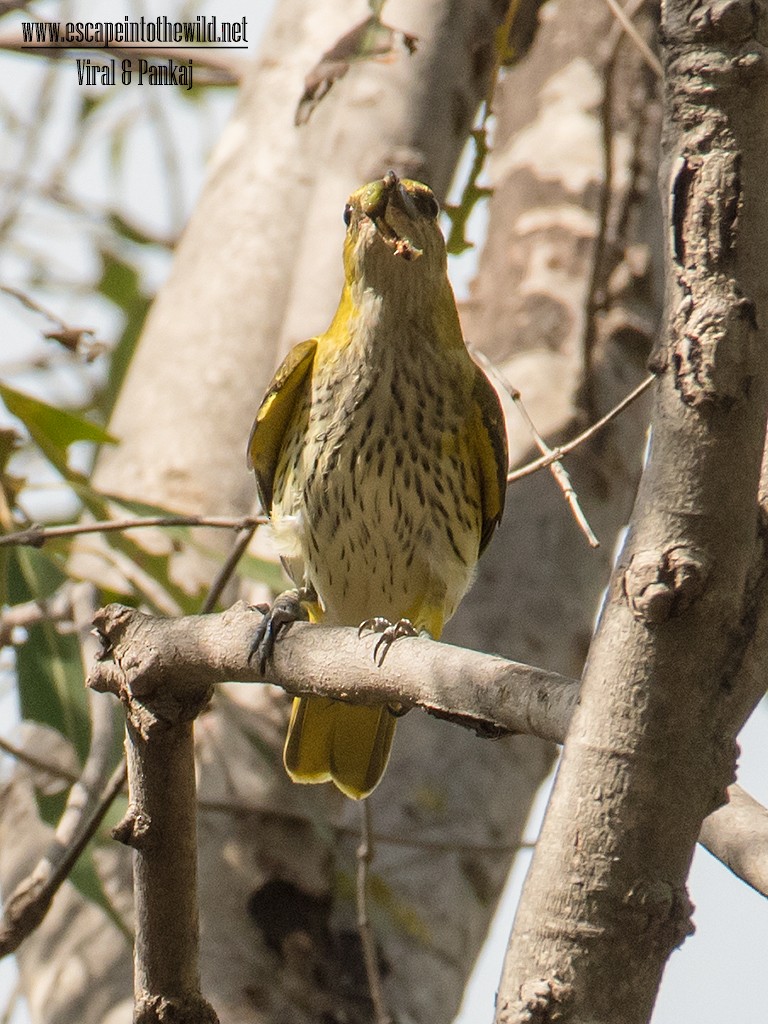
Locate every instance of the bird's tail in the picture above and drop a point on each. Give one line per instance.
(330, 741)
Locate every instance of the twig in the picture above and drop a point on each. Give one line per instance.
(161, 828)
(410, 842)
(74, 339)
(503, 32)
(56, 608)
(224, 574)
(595, 286)
(30, 148)
(488, 694)
(649, 56)
(36, 536)
(737, 835)
(28, 904)
(84, 810)
(367, 938)
(562, 450)
(57, 771)
(6, 6)
(595, 296)
(558, 471)
(145, 653)
(53, 191)
(233, 807)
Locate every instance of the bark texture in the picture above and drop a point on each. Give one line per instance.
(259, 268)
(167, 662)
(160, 827)
(651, 749)
(566, 305)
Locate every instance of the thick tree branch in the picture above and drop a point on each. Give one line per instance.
(651, 747)
(145, 656)
(161, 827)
(737, 834)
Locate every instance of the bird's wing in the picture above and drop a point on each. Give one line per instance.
(490, 442)
(275, 414)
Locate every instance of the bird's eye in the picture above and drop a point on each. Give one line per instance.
(347, 214)
(426, 204)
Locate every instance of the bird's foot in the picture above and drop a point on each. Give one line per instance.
(285, 609)
(390, 631)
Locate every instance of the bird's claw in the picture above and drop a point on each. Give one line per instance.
(285, 609)
(376, 625)
(390, 631)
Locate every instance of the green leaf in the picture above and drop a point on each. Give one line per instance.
(472, 193)
(91, 102)
(117, 140)
(49, 668)
(133, 233)
(53, 430)
(249, 566)
(121, 284)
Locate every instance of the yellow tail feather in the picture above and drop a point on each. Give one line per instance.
(329, 741)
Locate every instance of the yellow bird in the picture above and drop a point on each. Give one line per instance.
(381, 457)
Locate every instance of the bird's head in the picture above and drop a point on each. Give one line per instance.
(391, 224)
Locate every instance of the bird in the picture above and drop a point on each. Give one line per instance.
(380, 455)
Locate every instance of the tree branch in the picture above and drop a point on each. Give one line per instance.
(145, 656)
(555, 454)
(36, 536)
(650, 750)
(737, 835)
(161, 827)
(28, 904)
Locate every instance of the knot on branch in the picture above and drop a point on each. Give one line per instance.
(191, 1009)
(542, 1001)
(732, 19)
(723, 763)
(715, 325)
(661, 585)
(135, 668)
(713, 353)
(133, 830)
(706, 199)
(665, 912)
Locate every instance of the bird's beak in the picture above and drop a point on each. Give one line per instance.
(376, 203)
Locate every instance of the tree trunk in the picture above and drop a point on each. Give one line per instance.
(259, 267)
(651, 747)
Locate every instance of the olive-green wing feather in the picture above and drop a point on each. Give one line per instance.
(490, 439)
(274, 416)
